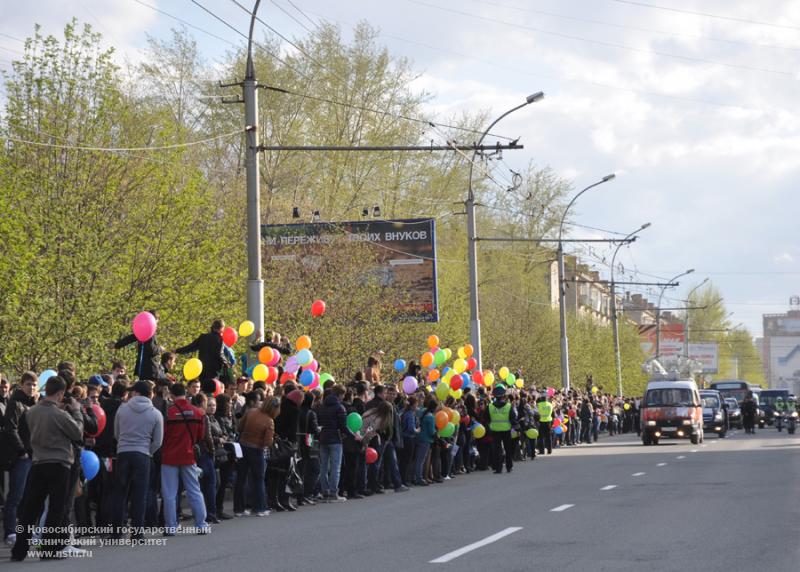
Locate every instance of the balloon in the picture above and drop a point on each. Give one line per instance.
(303, 343)
(307, 377)
(460, 365)
(461, 353)
(218, 387)
(471, 363)
(287, 377)
(531, 433)
(565, 420)
(447, 430)
(260, 372)
(456, 394)
(399, 365)
(314, 365)
(550, 392)
(556, 422)
(477, 377)
(511, 379)
(469, 350)
(90, 464)
(439, 357)
(314, 385)
(354, 422)
(433, 341)
(304, 357)
(276, 358)
(626, 406)
(265, 354)
(503, 373)
(455, 417)
(447, 373)
(478, 431)
(372, 455)
(558, 430)
(456, 382)
(246, 328)
(594, 390)
(317, 308)
(572, 413)
(192, 369)
(520, 384)
(291, 365)
(442, 419)
(410, 385)
(229, 336)
(46, 374)
(426, 360)
(101, 420)
(488, 378)
(144, 326)
(433, 375)
(442, 391)
(465, 420)
(466, 379)
(324, 377)
(448, 353)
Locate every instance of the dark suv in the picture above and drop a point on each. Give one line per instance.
(734, 413)
(715, 412)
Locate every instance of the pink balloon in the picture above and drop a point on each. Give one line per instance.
(291, 365)
(550, 392)
(144, 326)
(314, 365)
(276, 358)
(315, 383)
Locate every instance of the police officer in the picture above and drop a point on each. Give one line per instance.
(502, 417)
(545, 409)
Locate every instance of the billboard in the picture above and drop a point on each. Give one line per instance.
(706, 353)
(671, 345)
(405, 255)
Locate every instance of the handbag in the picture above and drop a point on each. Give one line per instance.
(198, 454)
(282, 451)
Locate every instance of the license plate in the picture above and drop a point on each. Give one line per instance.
(668, 429)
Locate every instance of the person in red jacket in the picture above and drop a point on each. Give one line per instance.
(183, 428)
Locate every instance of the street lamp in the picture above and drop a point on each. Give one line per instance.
(686, 318)
(561, 293)
(614, 323)
(658, 310)
(474, 319)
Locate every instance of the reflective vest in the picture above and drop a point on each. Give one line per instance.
(545, 411)
(500, 419)
(780, 406)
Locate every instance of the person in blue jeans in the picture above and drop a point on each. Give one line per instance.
(332, 418)
(23, 398)
(256, 434)
(208, 479)
(426, 437)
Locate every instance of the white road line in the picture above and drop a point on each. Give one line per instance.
(693, 451)
(661, 465)
(561, 508)
(638, 474)
(475, 545)
(684, 456)
(608, 487)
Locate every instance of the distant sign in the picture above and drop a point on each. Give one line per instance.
(405, 255)
(671, 340)
(707, 354)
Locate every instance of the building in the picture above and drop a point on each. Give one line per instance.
(781, 348)
(586, 293)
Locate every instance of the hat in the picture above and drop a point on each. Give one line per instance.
(97, 379)
(499, 391)
(295, 396)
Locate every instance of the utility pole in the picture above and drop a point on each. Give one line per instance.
(686, 319)
(659, 308)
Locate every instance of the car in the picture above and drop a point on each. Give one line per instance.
(734, 413)
(715, 418)
(672, 409)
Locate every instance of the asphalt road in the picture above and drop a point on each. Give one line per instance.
(730, 504)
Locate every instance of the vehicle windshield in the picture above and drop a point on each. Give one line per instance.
(669, 397)
(769, 397)
(710, 401)
(732, 403)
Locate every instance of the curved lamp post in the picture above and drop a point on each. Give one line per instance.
(658, 310)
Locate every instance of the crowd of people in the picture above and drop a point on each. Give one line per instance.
(230, 446)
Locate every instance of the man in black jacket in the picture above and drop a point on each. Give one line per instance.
(102, 487)
(23, 398)
(148, 364)
(209, 351)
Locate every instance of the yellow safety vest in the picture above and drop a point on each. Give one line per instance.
(500, 419)
(545, 411)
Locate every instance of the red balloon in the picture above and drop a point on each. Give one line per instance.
(272, 374)
(456, 382)
(317, 308)
(287, 377)
(477, 377)
(465, 420)
(572, 413)
(372, 455)
(101, 419)
(229, 336)
(556, 422)
(471, 363)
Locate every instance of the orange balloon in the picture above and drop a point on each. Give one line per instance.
(442, 419)
(433, 375)
(469, 350)
(427, 359)
(433, 341)
(265, 354)
(303, 343)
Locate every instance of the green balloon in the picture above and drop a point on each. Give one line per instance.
(532, 433)
(325, 377)
(511, 379)
(354, 422)
(440, 357)
(442, 390)
(447, 430)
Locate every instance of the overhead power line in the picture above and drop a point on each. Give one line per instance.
(121, 149)
(186, 23)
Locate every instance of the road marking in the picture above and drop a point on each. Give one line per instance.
(561, 508)
(704, 445)
(475, 545)
(608, 487)
(684, 456)
(693, 451)
(661, 465)
(638, 474)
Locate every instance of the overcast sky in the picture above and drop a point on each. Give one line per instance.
(692, 103)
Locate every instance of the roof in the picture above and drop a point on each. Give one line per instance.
(682, 384)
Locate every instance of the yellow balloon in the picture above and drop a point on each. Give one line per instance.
(260, 372)
(192, 369)
(450, 373)
(442, 391)
(448, 353)
(456, 394)
(478, 431)
(594, 389)
(462, 353)
(503, 372)
(626, 406)
(455, 416)
(460, 365)
(246, 328)
(520, 383)
(488, 378)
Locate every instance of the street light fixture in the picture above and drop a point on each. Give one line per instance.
(561, 293)
(617, 357)
(658, 312)
(474, 318)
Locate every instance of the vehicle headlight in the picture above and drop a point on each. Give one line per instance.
(687, 421)
(651, 423)
(718, 417)
(794, 413)
(775, 413)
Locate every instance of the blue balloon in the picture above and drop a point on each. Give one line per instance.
(465, 379)
(444, 371)
(558, 430)
(307, 377)
(90, 464)
(46, 374)
(399, 365)
(304, 357)
(250, 370)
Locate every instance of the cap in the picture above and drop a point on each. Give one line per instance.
(97, 379)
(499, 391)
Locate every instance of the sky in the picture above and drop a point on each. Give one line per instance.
(691, 103)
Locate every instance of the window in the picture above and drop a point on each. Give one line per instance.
(669, 397)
